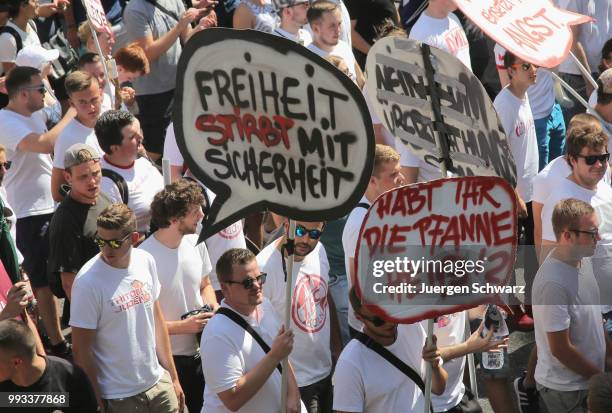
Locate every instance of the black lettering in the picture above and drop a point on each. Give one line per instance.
(223, 83)
(238, 86)
(290, 82)
(332, 95)
(266, 93)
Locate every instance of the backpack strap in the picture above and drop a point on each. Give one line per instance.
(242, 323)
(392, 359)
(164, 10)
(363, 205)
(120, 182)
(11, 30)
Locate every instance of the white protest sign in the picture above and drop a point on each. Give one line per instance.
(399, 91)
(439, 247)
(267, 124)
(96, 14)
(535, 30)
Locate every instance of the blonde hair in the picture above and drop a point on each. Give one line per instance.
(117, 216)
(567, 214)
(384, 154)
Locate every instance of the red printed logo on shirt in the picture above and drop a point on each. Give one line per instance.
(139, 294)
(232, 231)
(456, 40)
(309, 304)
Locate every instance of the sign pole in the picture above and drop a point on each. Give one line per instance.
(470, 358)
(287, 315)
(585, 72)
(429, 368)
(166, 171)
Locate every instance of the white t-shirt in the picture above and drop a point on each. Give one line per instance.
(107, 102)
(119, 305)
(143, 182)
(365, 382)
(517, 120)
(345, 29)
(28, 182)
(446, 34)
(303, 37)
(550, 177)
(564, 298)
(311, 355)
(592, 35)
(74, 132)
(350, 235)
(450, 330)
(229, 352)
(8, 44)
(342, 50)
(180, 273)
(541, 94)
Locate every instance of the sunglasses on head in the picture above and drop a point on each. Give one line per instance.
(6, 165)
(248, 283)
(591, 159)
(525, 66)
(300, 231)
(113, 243)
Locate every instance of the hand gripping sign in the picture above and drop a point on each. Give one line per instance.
(438, 108)
(535, 30)
(436, 248)
(267, 124)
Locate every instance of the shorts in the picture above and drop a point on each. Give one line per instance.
(159, 398)
(155, 114)
(33, 242)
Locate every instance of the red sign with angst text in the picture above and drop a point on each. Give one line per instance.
(535, 30)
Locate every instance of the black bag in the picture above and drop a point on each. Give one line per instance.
(68, 57)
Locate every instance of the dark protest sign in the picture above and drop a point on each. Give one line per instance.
(406, 102)
(439, 247)
(266, 124)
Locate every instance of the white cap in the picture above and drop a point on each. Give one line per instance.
(35, 56)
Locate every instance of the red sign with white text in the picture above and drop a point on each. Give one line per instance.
(535, 30)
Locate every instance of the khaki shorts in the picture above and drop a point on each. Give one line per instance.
(160, 398)
(564, 401)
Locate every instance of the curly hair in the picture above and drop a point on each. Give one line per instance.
(174, 202)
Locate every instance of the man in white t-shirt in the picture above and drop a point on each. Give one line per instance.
(439, 27)
(292, 20)
(386, 175)
(28, 185)
(568, 330)
(183, 270)
(118, 329)
(240, 375)
(85, 96)
(120, 137)
(325, 19)
(313, 318)
(365, 382)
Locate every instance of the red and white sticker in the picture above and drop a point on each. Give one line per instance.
(309, 303)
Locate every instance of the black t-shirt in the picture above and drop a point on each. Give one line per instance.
(370, 15)
(59, 376)
(71, 234)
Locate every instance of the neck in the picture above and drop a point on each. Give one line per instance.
(122, 263)
(32, 373)
(435, 11)
(82, 199)
(322, 46)
(13, 106)
(245, 310)
(371, 194)
(382, 340)
(281, 242)
(562, 254)
(518, 90)
(21, 22)
(290, 27)
(169, 237)
(579, 182)
(87, 123)
(120, 160)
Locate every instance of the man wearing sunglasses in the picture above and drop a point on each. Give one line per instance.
(571, 341)
(292, 20)
(28, 185)
(240, 375)
(365, 382)
(183, 269)
(314, 320)
(118, 329)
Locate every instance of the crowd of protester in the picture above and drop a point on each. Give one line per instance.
(161, 323)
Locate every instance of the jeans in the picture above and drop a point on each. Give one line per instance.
(338, 287)
(550, 132)
(189, 370)
(318, 397)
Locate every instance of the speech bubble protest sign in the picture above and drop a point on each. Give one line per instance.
(535, 30)
(96, 14)
(439, 247)
(266, 124)
(402, 98)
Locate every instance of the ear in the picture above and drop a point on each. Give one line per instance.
(135, 237)
(67, 177)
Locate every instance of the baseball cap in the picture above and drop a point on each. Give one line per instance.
(281, 4)
(79, 153)
(35, 56)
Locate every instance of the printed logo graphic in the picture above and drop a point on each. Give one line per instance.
(309, 304)
(232, 231)
(139, 294)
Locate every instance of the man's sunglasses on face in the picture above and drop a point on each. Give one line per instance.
(113, 243)
(249, 283)
(40, 88)
(6, 165)
(591, 159)
(376, 320)
(300, 231)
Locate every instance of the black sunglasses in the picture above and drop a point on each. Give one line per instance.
(40, 88)
(113, 243)
(591, 159)
(248, 283)
(376, 320)
(6, 165)
(300, 231)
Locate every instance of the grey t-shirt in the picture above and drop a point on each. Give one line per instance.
(142, 18)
